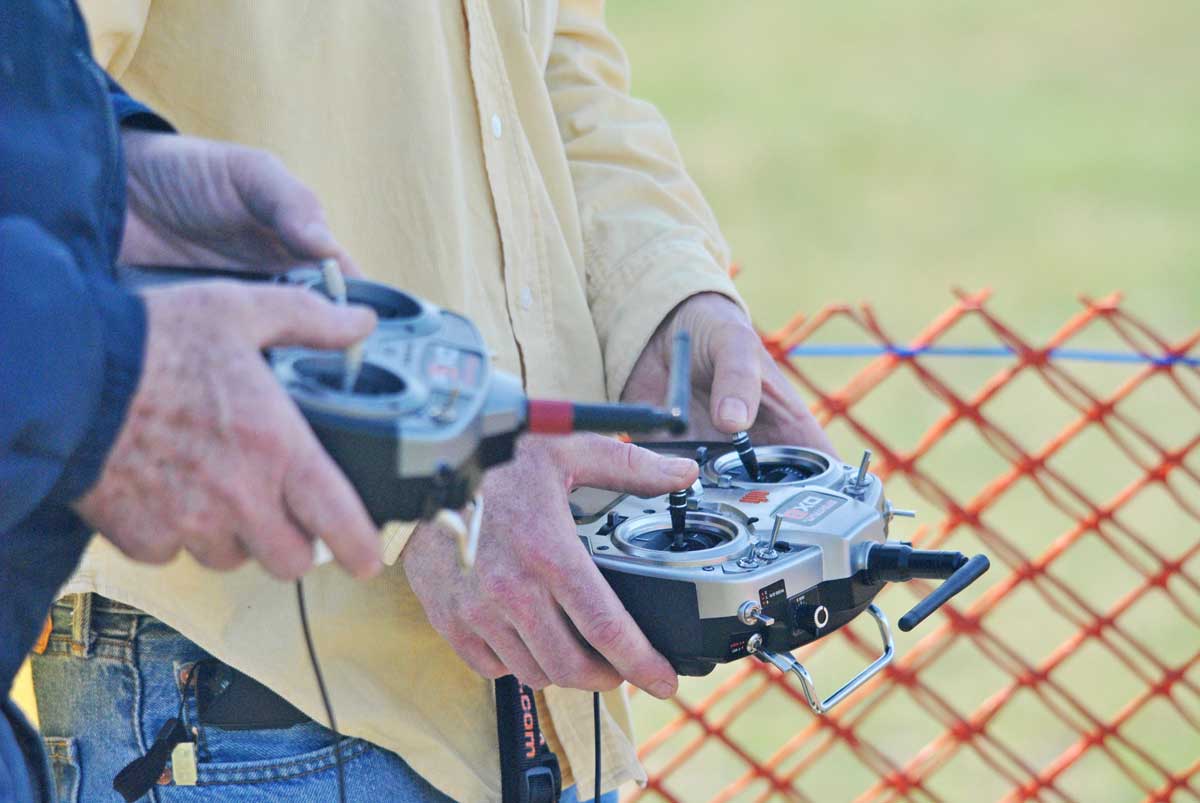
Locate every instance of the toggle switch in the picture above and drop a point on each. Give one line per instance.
(858, 486)
(768, 552)
(750, 613)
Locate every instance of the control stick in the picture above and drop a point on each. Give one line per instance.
(677, 504)
(745, 450)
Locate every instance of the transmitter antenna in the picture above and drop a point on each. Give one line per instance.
(561, 417)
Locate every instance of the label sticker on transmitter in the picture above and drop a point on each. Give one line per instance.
(768, 596)
(809, 508)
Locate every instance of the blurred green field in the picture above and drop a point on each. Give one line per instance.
(887, 152)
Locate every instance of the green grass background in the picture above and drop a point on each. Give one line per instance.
(887, 152)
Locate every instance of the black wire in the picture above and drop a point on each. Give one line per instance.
(596, 732)
(312, 657)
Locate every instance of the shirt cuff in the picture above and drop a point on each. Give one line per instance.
(394, 537)
(132, 114)
(123, 330)
(642, 293)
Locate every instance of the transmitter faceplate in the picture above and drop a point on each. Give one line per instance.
(771, 555)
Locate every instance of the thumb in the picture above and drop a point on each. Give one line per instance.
(736, 377)
(295, 316)
(601, 462)
(284, 204)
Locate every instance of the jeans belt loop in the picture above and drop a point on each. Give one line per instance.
(81, 625)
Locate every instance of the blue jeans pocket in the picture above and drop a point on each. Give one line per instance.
(64, 764)
(239, 766)
(256, 757)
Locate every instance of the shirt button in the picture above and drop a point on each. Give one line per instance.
(497, 127)
(526, 298)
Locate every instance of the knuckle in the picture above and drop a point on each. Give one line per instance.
(557, 573)
(606, 634)
(480, 610)
(500, 587)
(631, 457)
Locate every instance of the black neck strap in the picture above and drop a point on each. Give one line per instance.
(529, 770)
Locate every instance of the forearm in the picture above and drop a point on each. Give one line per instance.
(72, 356)
(648, 233)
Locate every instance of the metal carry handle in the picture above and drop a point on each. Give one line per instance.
(784, 662)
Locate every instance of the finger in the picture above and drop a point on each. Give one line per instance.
(282, 203)
(278, 544)
(295, 316)
(219, 553)
(737, 377)
(324, 504)
(604, 623)
(347, 264)
(513, 654)
(601, 462)
(479, 656)
(557, 648)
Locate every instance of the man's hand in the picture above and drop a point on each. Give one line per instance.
(535, 605)
(213, 456)
(735, 384)
(199, 202)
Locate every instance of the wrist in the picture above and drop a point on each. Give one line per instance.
(705, 304)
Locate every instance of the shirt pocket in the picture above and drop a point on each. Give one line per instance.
(64, 767)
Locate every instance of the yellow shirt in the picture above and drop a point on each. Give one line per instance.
(485, 154)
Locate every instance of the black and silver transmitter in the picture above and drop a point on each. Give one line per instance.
(772, 548)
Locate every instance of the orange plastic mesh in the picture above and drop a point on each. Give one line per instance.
(996, 696)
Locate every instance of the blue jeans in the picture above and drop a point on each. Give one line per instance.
(109, 679)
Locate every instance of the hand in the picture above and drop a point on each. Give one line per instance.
(736, 385)
(535, 605)
(199, 202)
(213, 456)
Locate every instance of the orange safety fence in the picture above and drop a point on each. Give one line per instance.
(1071, 672)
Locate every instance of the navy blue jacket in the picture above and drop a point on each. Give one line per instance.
(71, 341)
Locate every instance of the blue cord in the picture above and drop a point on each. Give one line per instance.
(1084, 355)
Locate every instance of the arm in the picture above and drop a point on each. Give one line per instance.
(71, 359)
(647, 231)
(649, 235)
